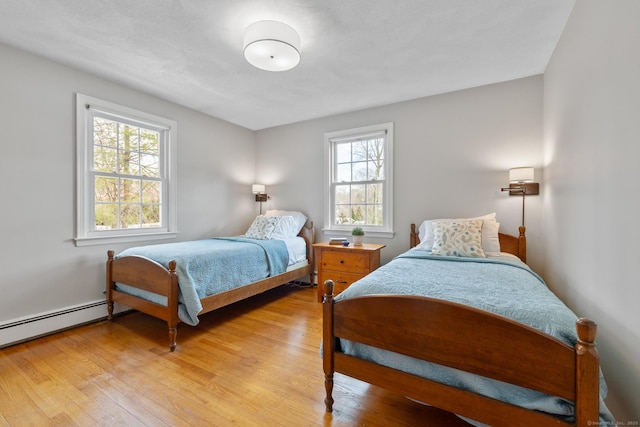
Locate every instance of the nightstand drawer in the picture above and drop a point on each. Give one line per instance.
(341, 281)
(354, 262)
(344, 265)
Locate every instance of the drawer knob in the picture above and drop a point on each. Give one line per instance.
(341, 261)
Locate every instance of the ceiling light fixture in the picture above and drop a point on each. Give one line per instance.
(271, 46)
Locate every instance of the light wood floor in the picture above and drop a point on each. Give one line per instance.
(255, 363)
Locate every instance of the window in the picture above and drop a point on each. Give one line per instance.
(126, 187)
(358, 167)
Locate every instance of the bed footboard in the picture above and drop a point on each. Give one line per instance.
(467, 339)
(150, 276)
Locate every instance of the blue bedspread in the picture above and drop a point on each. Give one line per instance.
(207, 267)
(501, 285)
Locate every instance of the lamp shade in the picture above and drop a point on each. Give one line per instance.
(271, 46)
(521, 174)
(258, 188)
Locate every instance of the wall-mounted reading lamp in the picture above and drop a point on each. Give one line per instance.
(521, 184)
(261, 195)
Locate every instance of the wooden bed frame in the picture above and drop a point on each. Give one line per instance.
(148, 275)
(484, 344)
(511, 244)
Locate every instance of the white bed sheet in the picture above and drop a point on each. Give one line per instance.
(297, 248)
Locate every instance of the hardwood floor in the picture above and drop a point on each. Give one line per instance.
(254, 363)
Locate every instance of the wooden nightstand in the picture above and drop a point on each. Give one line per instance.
(344, 264)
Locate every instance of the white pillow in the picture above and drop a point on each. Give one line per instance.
(263, 227)
(490, 240)
(286, 228)
(458, 238)
(299, 218)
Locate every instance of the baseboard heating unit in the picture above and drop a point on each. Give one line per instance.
(29, 327)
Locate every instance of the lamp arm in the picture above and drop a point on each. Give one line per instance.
(521, 189)
(514, 189)
(524, 193)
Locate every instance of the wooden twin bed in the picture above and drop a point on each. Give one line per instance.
(467, 339)
(147, 275)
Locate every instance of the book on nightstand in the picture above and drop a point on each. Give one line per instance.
(338, 240)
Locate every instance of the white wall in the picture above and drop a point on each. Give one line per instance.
(451, 157)
(591, 187)
(41, 268)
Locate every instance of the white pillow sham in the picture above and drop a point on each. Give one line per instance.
(490, 227)
(286, 228)
(299, 218)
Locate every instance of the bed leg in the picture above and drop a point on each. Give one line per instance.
(173, 333)
(328, 386)
(109, 287)
(328, 343)
(109, 310)
(172, 306)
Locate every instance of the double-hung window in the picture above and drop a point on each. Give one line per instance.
(126, 188)
(359, 180)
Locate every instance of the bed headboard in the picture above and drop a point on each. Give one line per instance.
(516, 245)
(308, 233)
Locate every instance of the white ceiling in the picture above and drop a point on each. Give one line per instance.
(355, 53)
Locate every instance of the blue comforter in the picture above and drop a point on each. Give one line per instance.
(502, 285)
(207, 267)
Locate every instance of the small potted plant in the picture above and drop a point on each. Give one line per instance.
(358, 234)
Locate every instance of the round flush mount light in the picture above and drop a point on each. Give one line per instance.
(271, 46)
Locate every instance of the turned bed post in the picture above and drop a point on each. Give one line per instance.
(522, 244)
(328, 343)
(587, 374)
(109, 286)
(172, 305)
(413, 237)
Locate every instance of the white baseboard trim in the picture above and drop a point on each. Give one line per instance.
(30, 327)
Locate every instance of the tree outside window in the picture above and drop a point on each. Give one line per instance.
(359, 184)
(126, 174)
(127, 177)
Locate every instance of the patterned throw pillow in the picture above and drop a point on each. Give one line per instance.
(490, 239)
(458, 238)
(263, 227)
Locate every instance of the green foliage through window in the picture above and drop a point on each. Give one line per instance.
(126, 170)
(359, 181)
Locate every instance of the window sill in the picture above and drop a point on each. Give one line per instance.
(109, 240)
(347, 233)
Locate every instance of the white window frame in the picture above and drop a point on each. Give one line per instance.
(86, 107)
(332, 229)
